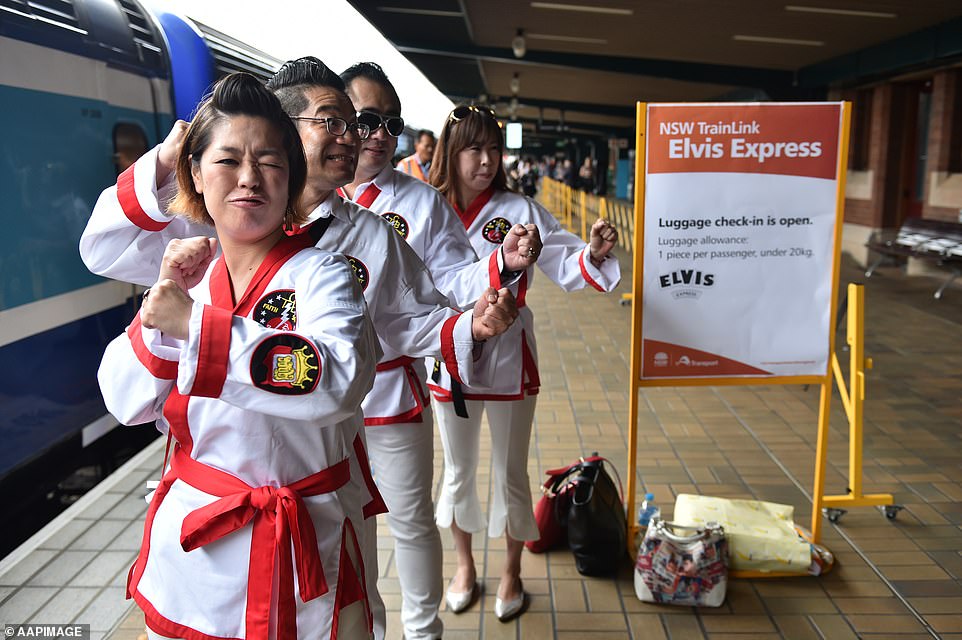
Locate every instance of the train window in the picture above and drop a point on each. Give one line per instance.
(130, 143)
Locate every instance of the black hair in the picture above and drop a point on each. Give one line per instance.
(371, 71)
(425, 132)
(239, 94)
(294, 76)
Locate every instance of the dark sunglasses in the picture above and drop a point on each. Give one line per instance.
(394, 125)
(462, 112)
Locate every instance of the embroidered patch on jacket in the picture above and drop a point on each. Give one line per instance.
(286, 364)
(495, 230)
(400, 224)
(360, 271)
(277, 310)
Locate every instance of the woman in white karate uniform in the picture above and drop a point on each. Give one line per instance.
(468, 170)
(256, 363)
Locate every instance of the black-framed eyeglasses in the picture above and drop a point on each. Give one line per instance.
(463, 111)
(394, 125)
(339, 126)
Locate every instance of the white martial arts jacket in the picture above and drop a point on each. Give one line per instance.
(263, 400)
(128, 231)
(509, 365)
(430, 226)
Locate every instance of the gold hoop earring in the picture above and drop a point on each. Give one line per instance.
(289, 220)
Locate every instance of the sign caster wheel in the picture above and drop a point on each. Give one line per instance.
(891, 511)
(834, 515)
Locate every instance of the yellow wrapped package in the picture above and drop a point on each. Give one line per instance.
(761, 535)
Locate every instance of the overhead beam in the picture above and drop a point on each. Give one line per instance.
(936, 45)
(671, 69)
(561, 105)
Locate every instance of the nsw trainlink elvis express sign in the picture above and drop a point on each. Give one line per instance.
(740, 214)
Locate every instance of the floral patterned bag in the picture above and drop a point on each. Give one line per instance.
(689, 570)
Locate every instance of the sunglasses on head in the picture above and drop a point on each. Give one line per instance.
(462, 112)
(394, 125)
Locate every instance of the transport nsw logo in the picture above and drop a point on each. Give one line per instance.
(686, 283)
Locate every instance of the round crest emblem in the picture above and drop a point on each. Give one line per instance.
(400, 224)
(286, 364)
(495, 230)
(360, 271)
(277, 310)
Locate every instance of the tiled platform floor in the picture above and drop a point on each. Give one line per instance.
(894, 579)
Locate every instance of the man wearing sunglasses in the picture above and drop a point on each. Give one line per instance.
(402, 450)
(130, 229)
(419, 163)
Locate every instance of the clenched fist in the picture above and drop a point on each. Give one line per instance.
(493, 314)
(521, 247)
(186, 261)
(169, 150)
(603, 237)
(167, 307)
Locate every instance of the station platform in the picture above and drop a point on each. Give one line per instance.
(897, 578)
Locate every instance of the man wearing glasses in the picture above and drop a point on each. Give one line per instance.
(130, 228)
(402, 447)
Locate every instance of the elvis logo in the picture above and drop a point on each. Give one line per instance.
(495, 230)
(277, 310)
(400, 224)
(286, 364)
(360, 271)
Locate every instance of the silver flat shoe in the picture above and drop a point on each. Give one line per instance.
(508, 610)
(461, 601)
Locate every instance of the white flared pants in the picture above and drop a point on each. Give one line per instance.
(510, 507)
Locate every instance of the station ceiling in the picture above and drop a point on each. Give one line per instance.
(587, 62)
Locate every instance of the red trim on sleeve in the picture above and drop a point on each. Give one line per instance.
(212, 357)
(587, 277)
(158, 367)
(447, 347)
(522, 290)
(494, 271)
(127, 197)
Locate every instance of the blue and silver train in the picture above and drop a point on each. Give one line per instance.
(86, 86)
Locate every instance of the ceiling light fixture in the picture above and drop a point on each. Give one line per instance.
(768, 40)
(546, 36)
(518, 46)
(582, 7)
(515, 84)
(840, 12)
(422, 12)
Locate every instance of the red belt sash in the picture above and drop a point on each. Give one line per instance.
(281, 521)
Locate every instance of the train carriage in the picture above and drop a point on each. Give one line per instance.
(86, 86)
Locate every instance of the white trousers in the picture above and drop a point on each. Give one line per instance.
(510, 509)
(402, 457)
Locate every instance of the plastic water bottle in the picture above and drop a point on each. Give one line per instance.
(648, 512)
